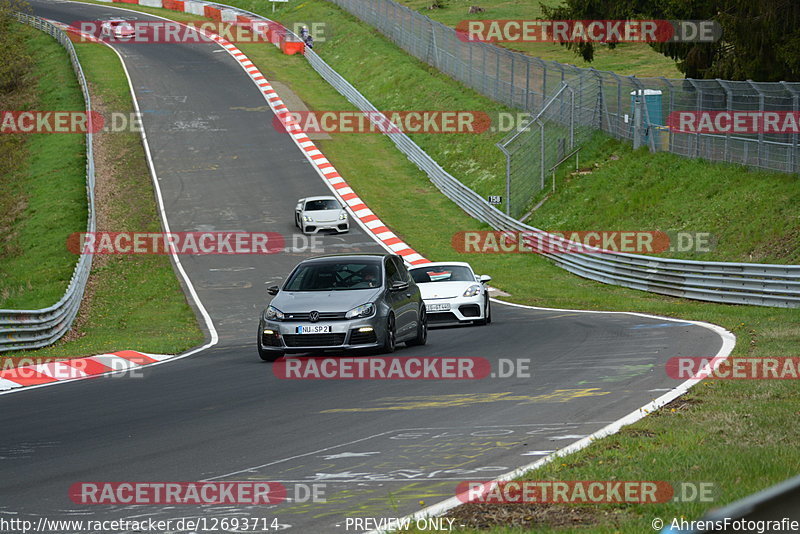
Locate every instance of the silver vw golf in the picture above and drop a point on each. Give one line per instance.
(343, 302)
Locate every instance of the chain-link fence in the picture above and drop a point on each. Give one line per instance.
(567, 120)
(603, 100)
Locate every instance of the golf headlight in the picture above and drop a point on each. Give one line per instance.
(472, 291)
(365, 310)
(307, 218)
(343, 216)
(273, 314)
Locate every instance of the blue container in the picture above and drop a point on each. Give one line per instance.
(655, 114)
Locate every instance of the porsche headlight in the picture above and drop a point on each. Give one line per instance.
(308, 218)
(472, 290)
(365, 310)
(273, 314)
(343, 216)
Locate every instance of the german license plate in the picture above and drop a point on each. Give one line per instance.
(315, 329)
(437, 307)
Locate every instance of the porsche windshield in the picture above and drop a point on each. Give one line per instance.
(334, 276)
(321, 205)
(442, 273)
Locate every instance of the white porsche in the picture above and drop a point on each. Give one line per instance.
(116, 29)
(314, 214)
(453, 293)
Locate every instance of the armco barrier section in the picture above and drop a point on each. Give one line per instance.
(724, 282)
(30, 329)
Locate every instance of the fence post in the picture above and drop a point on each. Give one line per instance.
(483, 68)
(507, 154)
(541, 154)
(795, 108)
(761, 133)
(527, 84)
(698, 108)
(670, 109)
(513, 81)
(544, 83)
(637, 121)
(729, 107)
(496, 75)
(571, 119)
(471, 68)
(433, 48)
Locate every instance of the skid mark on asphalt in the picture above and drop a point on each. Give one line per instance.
(624, 372)
(459, 400)
(407, 469)
(388, 474)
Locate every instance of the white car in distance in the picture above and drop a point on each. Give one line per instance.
(453, 293)
(315, 214)
(117, 29)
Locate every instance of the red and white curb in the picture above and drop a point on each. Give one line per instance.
(76, 368)
(366, 218)
(357, 207)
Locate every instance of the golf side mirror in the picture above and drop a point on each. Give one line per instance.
(273, 290)
(398, 285)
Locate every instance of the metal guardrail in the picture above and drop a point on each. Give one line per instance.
(724, 282)
(30, 329)
(779, 505)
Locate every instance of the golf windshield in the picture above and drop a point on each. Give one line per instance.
(334, 276)
(442, 273)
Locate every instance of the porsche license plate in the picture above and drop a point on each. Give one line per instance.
(315, 329)
(437, 307)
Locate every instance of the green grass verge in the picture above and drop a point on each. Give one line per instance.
(48, 189)
(135, 301)
(629, 59)
(730, 433)
(752, 215)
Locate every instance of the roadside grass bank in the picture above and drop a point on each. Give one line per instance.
(625, 59)
(133, 301)
(751, 216)
(43, 190)
(729, 433)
